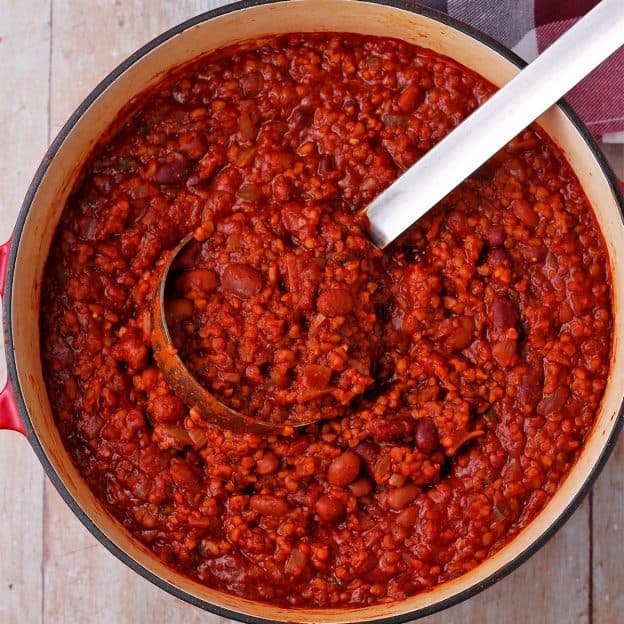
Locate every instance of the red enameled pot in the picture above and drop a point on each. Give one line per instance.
(24, 404)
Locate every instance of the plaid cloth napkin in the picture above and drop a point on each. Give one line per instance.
(529, 26)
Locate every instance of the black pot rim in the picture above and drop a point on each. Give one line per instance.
(12, 366)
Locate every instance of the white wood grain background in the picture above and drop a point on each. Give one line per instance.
(52, 571)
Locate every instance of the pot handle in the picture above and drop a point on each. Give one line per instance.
(9, 414)
(4, 263)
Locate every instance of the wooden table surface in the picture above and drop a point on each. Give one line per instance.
(52, 53)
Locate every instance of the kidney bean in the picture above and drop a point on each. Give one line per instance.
(246, 127)
(463, 335)
(192, 144)
(400, 498)
(504, 314)
(251, 84)
(408, 517)
(211, 162)
(368, 452)
(344, 469)
(268, 505)
(250, 192)
(366, 564)
(203, 522)
(301, 117)
(410, 98)
(516, 168)
(335, 302)
(241, 280)
(533, 252)
(427, 439)
(326, 164)
(383, 369)
(361, 487)
(402, 121)
(457, 222)
(330, 510)
(496, 236)
(267, 464)
(530, 388)
(89, 425)
(385, 431)
(457, 332)
(498, 257)
(524, 211)
(296, 563)
(203, 281)
(553, 402)
(218, 204)
(172, 172)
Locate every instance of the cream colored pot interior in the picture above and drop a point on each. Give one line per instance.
(305, 16)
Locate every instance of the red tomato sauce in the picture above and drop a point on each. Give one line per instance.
(454, 376)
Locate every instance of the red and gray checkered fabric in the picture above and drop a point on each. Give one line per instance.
(530, 26)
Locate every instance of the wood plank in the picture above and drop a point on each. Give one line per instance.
(615, 155)
(552, 587)
(24, 132)
(90, 41)
(82, 581)
(608, 533)
(608, 505)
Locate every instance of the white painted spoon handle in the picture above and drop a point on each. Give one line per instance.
(511, 109)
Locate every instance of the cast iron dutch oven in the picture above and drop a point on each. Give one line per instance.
(24, 404)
